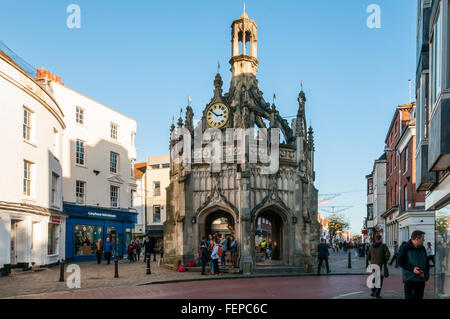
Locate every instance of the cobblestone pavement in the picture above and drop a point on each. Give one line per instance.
(94, 276)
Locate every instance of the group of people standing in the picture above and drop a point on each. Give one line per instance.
(134, 250)
(217, 247)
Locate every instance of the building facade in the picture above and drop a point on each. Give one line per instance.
(433, 115)
(139, 199)
(376, 199)
(98, 173)
(243, 189)
(32, 222)
(157, 179)
(413, 215)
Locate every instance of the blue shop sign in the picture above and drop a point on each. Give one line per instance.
(100, 213)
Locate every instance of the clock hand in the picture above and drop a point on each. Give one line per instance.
(214, 113)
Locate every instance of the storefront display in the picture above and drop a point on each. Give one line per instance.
(85, 239)
(86, 225)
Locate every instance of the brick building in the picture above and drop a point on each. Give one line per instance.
(405, 207)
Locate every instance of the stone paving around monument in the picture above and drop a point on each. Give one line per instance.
(95, 276)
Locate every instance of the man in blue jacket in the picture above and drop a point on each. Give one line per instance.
(323, 255)
(415, 265)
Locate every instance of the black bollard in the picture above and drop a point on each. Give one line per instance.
(61, 271)
(349, 259)
(154, 256)
(148, 265)
(116, 268)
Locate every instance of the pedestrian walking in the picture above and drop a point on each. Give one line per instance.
(147, 248)
(324, 254)
(379, 255)
(138, 249)
(99, 250)
(203, 256)
(107, 250)
(395, 257)
(215, 258)
(131, 251)
(430, 253)
(415, 265)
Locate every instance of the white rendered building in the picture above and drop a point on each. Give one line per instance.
(32, 225)
(98, 174)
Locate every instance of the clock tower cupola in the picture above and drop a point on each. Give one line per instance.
(244, 40)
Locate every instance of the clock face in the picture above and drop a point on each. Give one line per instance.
(217, 115)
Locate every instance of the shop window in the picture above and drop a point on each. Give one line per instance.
(53, 236)
(85, 239)
(166, 165)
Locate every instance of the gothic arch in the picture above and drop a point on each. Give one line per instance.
(204, 217)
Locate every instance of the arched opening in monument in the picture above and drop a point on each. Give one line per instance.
(269, 238)
(221, 222)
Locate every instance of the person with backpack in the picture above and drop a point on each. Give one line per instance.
(379, 255)
(215, 258)
(203, 256)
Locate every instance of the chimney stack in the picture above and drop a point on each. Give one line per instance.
(43, 73)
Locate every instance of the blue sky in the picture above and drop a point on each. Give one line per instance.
(145, 57)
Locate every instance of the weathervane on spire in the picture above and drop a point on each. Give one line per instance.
(218, 66)
(301, 84)
(244, 6)
(189, 100)
(273, 99)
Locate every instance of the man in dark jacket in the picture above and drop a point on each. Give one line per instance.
(412, 257)
(323, 256)
(379, 255)
(147, 248)
(203, 256)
